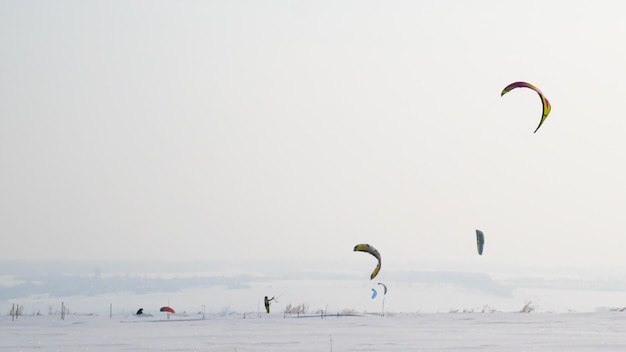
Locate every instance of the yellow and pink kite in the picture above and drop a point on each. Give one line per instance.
(544, 100)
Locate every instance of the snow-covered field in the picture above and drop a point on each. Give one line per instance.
(395, 332)
(419, 315)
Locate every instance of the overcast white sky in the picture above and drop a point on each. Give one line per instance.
(284, 130)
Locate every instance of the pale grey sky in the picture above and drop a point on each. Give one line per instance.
(283, 130)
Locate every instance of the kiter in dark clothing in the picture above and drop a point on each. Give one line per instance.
(267, 303)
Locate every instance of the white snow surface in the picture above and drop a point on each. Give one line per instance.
(600, 331)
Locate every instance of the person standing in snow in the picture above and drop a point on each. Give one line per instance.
(267, 304)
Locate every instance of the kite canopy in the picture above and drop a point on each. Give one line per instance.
(374, 293)
(384, 286)
(480, 241)
(544, 100)
(364, 247)
(167, 309)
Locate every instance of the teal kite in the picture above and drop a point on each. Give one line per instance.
(480, 241)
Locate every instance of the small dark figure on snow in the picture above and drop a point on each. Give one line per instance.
(267, 304)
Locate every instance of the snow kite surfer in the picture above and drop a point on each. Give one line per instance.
(267, 304)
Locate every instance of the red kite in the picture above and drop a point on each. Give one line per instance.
(167, 309)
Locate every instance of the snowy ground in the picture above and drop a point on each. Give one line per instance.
(419, 316)
(395, 332)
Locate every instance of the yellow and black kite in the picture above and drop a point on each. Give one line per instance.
(364, 247)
